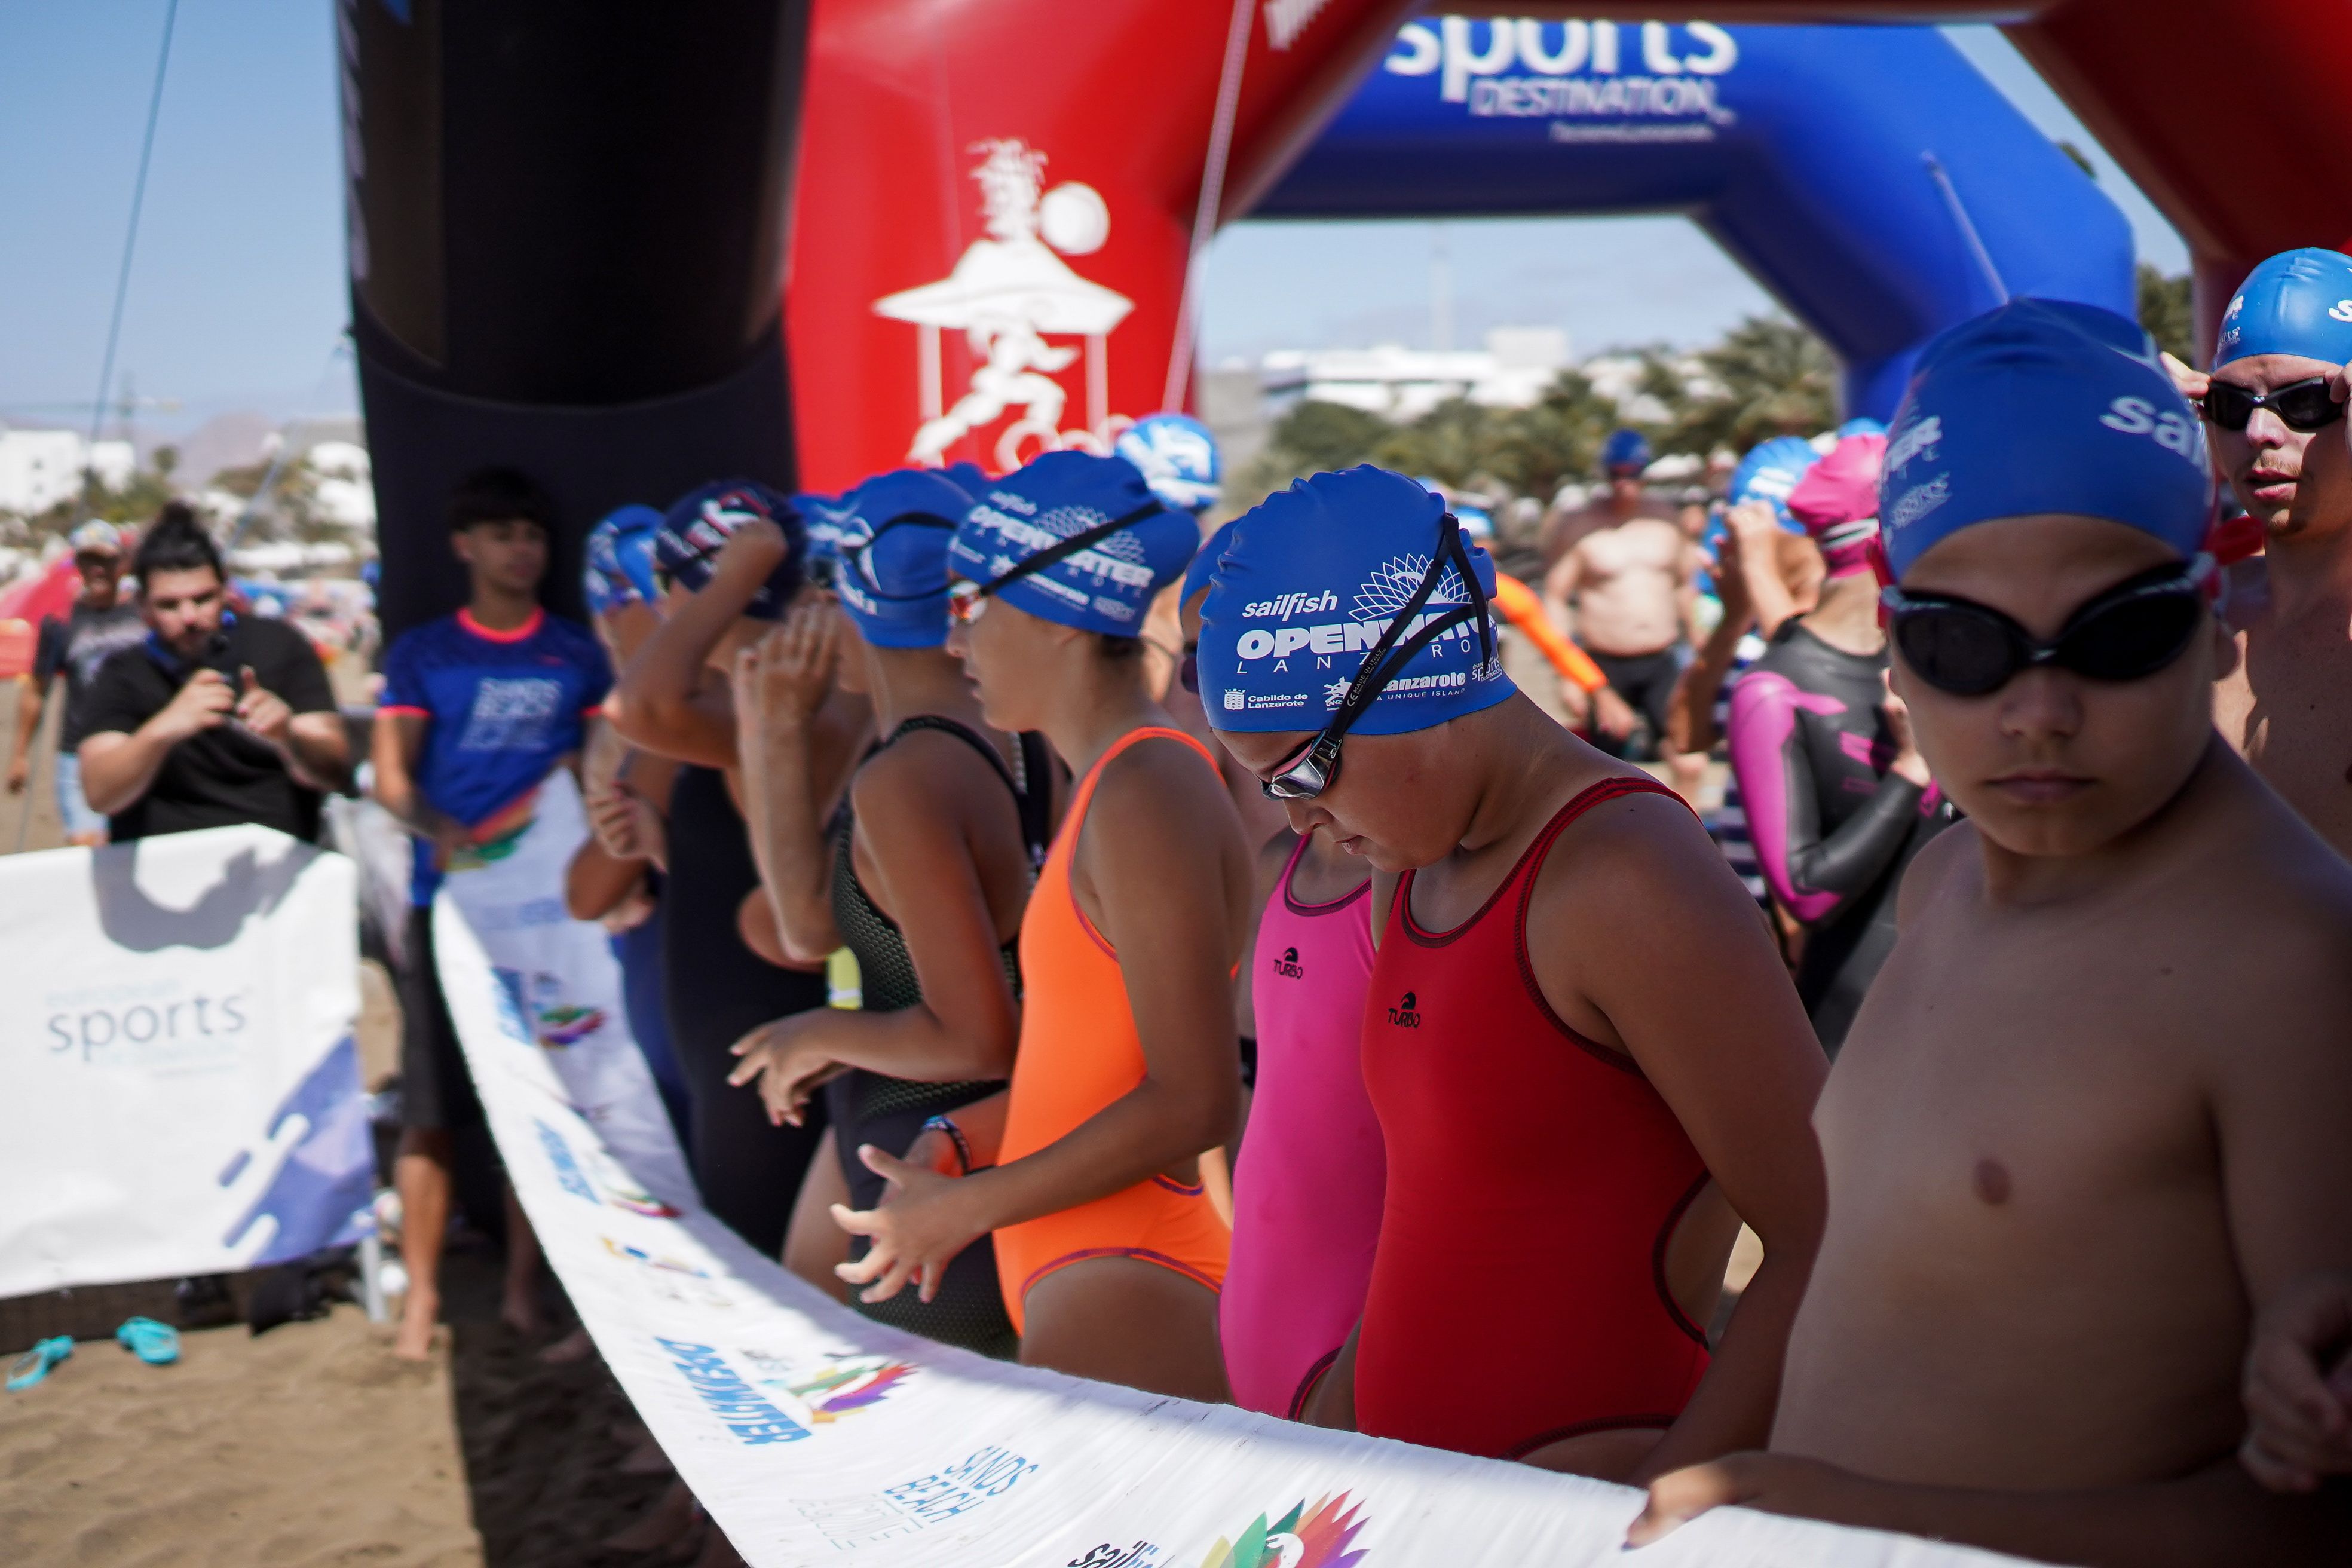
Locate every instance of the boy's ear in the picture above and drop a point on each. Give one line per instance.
(461, 544)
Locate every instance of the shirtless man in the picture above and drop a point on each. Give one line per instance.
(1622, 588)
(2273, 421)
(2092, 1118)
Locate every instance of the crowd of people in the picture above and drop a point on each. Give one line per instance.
(1265, 1000)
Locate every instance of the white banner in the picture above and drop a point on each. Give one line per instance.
(560, 979)
(814, 1436)
(179, 1087)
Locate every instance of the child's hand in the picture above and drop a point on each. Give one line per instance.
(2298, 1386)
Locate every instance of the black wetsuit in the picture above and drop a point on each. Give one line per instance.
(1832, 829)
(715, 990)
(888, 1112)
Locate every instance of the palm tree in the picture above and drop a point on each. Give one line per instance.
(1768, 377)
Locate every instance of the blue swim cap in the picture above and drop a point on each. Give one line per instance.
(1770, 471)
(697, 526)
(1624, 449)
(826, 519)
(620, 568)
(1104, 587)
(1204, 564)
(2297, 302)
(2042, 406)
(1312, 578)
(1177, 459)
(1861, 425)
(893, 579)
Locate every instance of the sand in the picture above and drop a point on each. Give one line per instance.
(307, 1446)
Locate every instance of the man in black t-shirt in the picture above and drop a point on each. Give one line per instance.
(73, 646)
(213, 719)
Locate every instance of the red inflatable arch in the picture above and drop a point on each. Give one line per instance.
(998, 198)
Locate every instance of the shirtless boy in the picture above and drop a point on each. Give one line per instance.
(2092, 1118)
(1584, 1053)
(2275, 422)
(1624, 589)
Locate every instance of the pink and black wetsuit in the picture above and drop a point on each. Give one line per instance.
(1308, 1186)
(1832, 829)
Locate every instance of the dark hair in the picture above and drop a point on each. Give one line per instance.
(499, 495)
(176, 541)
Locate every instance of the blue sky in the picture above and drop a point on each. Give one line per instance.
(237, 295)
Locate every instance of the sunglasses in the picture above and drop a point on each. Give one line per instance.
(2127, 633)
(1314, 766)
(2304, 407)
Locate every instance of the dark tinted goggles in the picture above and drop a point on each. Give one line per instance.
(2304, 405)
(1315, 768)
(2127, 633)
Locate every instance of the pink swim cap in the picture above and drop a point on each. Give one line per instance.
(1837, 500)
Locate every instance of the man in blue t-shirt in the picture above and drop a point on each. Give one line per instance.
(479, 709)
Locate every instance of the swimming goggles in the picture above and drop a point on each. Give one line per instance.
(965, 598)
(1314, 766)
(2302, 405)
(2127, 633)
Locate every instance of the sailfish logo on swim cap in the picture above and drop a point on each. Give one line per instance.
(1366, 538)
(2297, 302)
(2042, 406)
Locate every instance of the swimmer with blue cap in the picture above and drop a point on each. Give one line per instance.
(2116, 998)
(619, 580)
(732, 558)
(1089, 1175)
(1178, 457)
(2275, 425)
(922, 873)
(1562, 941)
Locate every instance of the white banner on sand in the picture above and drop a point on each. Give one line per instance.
(179, 1087)
(814, 1436)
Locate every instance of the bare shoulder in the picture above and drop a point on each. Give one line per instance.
(924, 776)
(1935, 870)
(1638, 858)
(1161, 799)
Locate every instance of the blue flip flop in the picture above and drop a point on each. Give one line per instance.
(34, 1364)
(157, 1345)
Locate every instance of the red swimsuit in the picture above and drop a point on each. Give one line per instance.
(1518, 1295)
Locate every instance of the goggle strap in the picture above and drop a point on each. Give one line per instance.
(1368, 674)
(1062, 550)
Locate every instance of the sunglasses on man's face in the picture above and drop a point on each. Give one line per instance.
(2302, 405)
(2128, 632)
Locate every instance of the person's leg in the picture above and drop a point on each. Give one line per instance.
(1124, 1320)
(422, 1175)
(520, 1311)
(84, 828)
(814, 1244)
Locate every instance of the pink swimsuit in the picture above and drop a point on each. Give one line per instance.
(1308, 1186)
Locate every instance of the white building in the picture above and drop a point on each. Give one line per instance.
(1401, 383)
(39, 469)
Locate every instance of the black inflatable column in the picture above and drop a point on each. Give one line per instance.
(567, 240)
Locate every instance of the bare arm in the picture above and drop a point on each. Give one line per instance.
(1678, 970)
(781, 684)
(1755, 532)
(1161, 852)
(920, 842)
(30, 688)
(395, 747)
(597, 881)
(670, 702)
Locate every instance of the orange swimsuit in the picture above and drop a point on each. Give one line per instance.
(1078, 1053)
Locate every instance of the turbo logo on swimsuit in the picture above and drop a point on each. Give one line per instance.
(1406, 1014)
(1289, 966)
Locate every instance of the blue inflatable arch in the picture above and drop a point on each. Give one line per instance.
(1870, 177)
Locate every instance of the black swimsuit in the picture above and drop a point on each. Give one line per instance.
(888, 1112)
(715, 990)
